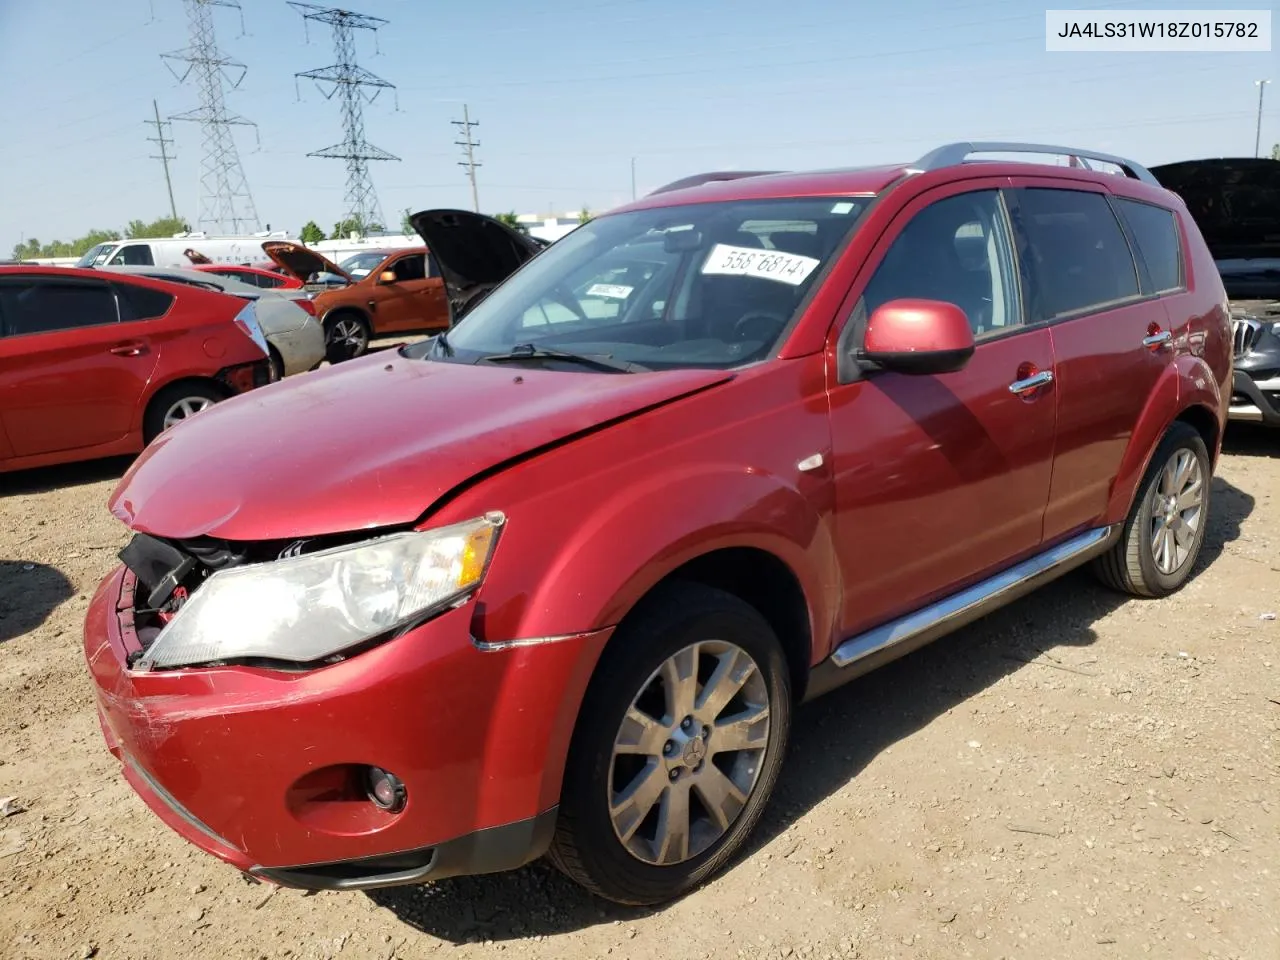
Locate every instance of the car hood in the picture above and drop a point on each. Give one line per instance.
(475, 253)
(1235, 203)
(301, 262)
(370, 443)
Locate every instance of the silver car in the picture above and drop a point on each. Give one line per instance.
(294, 335)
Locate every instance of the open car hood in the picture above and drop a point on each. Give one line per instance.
(365, 445)
(301, 262)
(1235, 203)
(475, 253)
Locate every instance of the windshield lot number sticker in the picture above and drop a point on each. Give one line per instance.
(614, 291)
(767, 264)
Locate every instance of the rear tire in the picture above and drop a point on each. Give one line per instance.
(666, 779)
(1165, 529)
(176, 403)
(346, 336)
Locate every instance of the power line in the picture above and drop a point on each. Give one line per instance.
(164, 143)
(469, 147)
(351, 82)
(226, 205)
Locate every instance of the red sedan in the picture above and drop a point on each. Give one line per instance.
(94, 366)
(267, 279)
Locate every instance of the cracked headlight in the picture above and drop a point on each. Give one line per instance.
(308, 608)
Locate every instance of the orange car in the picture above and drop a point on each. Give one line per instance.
(402, 294)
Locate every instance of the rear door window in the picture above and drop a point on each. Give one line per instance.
(411, 268)
(39, 305)
(1155, 232)
(1078, 256)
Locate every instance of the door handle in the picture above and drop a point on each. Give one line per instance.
(131, 348)
(1020, 387)
(1157, 339)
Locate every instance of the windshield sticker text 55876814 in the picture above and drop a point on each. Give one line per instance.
(768, 264)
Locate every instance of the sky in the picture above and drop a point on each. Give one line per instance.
(567, 92)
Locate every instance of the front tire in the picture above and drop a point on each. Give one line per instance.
(346, 336)
(677, 748)
(1165, 529)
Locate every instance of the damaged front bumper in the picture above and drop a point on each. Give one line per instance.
(262, 768)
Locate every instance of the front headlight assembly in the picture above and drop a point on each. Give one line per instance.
(307, 609)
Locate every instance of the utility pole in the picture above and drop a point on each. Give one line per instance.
(633, 178)
(1257, 137)
(351, 82)
(469, 147)
(226, 204)
(164, 142)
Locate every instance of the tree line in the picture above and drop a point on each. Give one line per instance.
(311, 232)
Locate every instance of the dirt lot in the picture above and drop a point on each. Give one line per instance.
(1075, 777)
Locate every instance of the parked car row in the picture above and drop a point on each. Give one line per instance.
(552, 581)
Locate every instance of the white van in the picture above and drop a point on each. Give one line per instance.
(244, 251)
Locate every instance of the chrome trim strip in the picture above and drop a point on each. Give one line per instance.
(493, 646)
(1246, 412)
(1030, 383)
(970, 601)
(1268, 385)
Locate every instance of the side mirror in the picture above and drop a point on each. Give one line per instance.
(918, 337)
(387, 276)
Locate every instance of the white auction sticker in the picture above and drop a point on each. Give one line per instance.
(767, 264)
(614, 290)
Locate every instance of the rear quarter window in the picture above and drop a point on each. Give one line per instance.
(142, 303)
(1155, 232)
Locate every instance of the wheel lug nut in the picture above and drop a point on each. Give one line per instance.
(686, 723)
(668, 748)
(675, 774)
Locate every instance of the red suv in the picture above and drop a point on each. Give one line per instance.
(94, 366)
(553, 582)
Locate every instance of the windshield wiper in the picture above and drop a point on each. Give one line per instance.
(527, 351)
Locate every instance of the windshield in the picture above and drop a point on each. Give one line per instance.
(705, 285)
(97, 256)
(359, 265)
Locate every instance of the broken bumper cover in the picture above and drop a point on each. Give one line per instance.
(252, 765)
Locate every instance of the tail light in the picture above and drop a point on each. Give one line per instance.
(306, 305)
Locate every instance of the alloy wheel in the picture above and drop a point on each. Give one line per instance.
(1177, 509)
(688, 752)
(184, 408)
(346, 337)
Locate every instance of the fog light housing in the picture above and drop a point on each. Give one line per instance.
(386, 791)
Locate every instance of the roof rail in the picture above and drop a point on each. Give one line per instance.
(953, 154)
(700, 178)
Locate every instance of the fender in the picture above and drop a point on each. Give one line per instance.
(620, 551)
(1187, 382)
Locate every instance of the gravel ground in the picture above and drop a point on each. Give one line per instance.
(1074, 777)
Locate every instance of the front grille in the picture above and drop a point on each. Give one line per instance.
(1244, 334)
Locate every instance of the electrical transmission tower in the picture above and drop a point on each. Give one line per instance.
(354, 86)
(226, 204)
(164, 143)
(469, 148)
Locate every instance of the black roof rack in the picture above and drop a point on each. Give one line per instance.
(700, 178)
(953, 154)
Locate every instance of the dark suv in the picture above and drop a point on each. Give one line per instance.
(553, 582)
(1236, 204)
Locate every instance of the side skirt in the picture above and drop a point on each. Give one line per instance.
(862, 653)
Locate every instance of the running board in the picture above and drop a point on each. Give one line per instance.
(928, 623)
